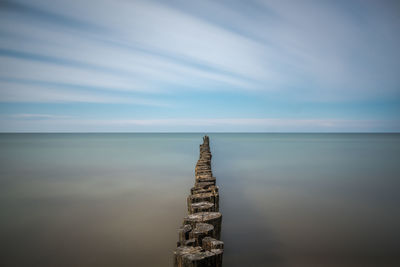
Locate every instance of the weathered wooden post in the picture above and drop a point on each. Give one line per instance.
(199, 243)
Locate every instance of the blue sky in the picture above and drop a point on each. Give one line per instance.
(199, 66)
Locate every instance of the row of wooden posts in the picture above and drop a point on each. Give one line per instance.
(199, 243)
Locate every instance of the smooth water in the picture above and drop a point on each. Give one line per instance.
(117, 199)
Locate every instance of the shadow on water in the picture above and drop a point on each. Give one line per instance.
(248, 239)
(314, 200)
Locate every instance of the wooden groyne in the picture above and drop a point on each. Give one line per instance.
(199, 243)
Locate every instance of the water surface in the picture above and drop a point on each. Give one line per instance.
(117, 199)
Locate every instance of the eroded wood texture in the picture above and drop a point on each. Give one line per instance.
(199, 243)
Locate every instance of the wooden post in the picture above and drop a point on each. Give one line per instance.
(199, 244)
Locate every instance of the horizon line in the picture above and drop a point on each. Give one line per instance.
(167, 132)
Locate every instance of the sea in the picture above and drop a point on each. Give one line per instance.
(117, 199)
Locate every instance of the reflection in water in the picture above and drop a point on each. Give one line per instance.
(116, 199)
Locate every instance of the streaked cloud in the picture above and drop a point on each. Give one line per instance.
(62, 93)
(178, 56)
(38, 116)
(56, 123)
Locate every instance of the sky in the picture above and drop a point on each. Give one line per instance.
(199, 66)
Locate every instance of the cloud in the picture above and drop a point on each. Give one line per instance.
(57, 123)
(189, 53)
(39, 116)
(158, 46)
(124, 56)
(15, 92)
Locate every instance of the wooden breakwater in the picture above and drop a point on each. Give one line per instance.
(199, 243)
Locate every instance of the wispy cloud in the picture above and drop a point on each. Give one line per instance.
(178, 46)
(38, 116)
(180, 53)
(57, 123)
(15, 92)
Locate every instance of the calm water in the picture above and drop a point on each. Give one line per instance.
(117, 199)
